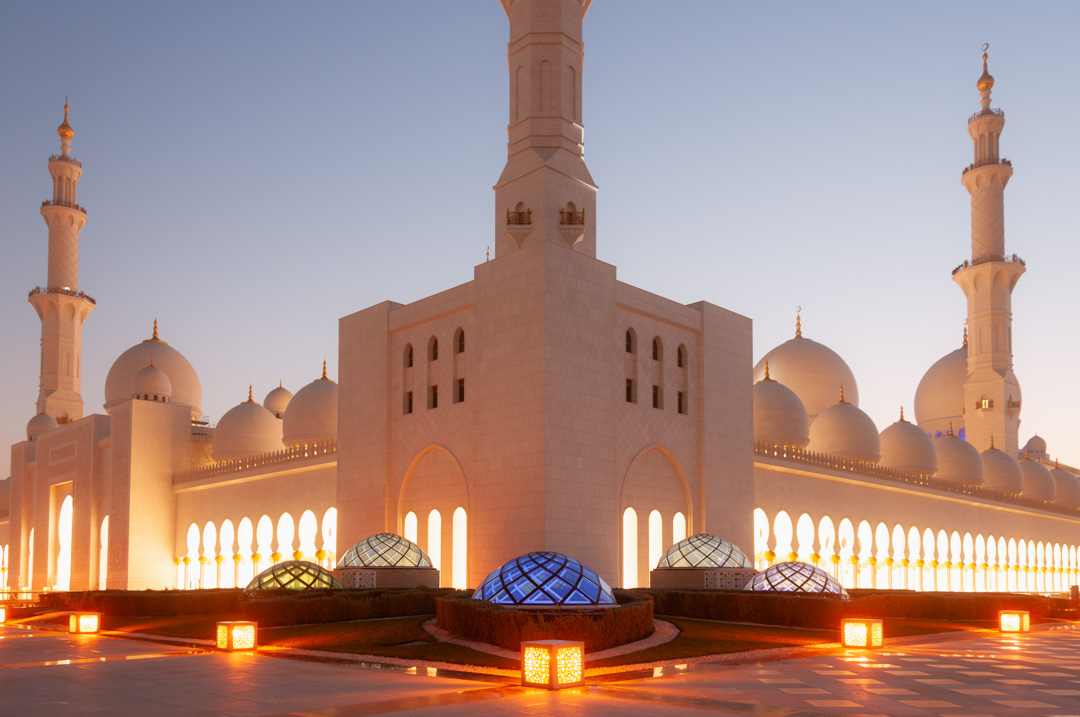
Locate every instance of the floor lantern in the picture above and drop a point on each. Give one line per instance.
(861, 632)
(237, 635)
(552, 664)
(84, 623)
(1014, 621)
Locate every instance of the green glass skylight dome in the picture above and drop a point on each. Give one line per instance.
(794, 577)
(294, 575)
(385, 550)
(703, 551)
(540, 580)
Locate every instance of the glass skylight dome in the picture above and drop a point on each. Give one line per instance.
(294, 575)
(540, 580)
(703, 551)
(385, 550)
(794, 577)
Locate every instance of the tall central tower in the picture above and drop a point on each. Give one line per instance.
(60, 305)
(545, 192)
(991, 391)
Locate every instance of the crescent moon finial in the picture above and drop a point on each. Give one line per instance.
(986, 46)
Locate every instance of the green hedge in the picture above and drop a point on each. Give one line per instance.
(507, 627)
(791, 609)
(953, 606)
(147, 603)
(288, 607)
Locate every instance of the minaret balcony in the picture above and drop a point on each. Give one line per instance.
(62, 158)
(987, 163)
(58, 203)
(519, 218)
(983, 113)
(60, 290)
(987, 258)
(570, 217)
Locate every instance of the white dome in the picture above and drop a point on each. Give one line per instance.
(779, 415)
(844, 430)
(813, 371)
(1038, 483)
(151, 381)
(907, 447)
(277, 400)
(39, 424)
(1035, 447)
(958, 461)
(1068, 488)
(939, 399)
(186, 389)
(246, 430)
(1001, 471)
(312, 414)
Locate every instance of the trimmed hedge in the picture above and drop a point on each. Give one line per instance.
(507, 627)
(953, 606)
(147, 603)
(287, 607)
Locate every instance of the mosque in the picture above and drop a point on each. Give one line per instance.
(543, 405)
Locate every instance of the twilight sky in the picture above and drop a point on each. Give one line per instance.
(255, 170)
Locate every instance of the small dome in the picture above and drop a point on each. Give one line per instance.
(39, 424)
(704, 551)
(795, 577)
(385, 550)
(1068, 488)
(246, 430)
(543, 580)
(1035, 447)
(277, 400)
(1001, 471)
(907, 447)
(186, 389)
(844, 430)
(779, 415)
(294, 575)
(958, 461)
(312, 414)
(151, 381)
(812, 370)
(939, 399)
(1039, 484)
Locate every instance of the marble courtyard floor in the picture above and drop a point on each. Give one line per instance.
(51, 673)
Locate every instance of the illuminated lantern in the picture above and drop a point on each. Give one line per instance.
(861, 632)
(84, 623)
(3, 614)
(237, 635)
(1014, 621)
(552, 664)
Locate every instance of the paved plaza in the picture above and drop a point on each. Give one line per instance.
(50, 673)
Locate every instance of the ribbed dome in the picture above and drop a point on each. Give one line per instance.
(795, 577)
(939, 399)
(844, 430)
(907, 447)
(39, 424)
(813, 371)
(1068, 488)
(277, 400)
(1039, 484)
(246, 430)
(958, 461)
(704, 551)
(779, 415)
(151, 381)
(312, 414)
(186, 389)
(1001, 471)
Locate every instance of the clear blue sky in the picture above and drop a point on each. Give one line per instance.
(255, 170)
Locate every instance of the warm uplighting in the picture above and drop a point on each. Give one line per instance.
(861, 632)
(3, 614)
(84, 622)
(553, 664)
(236, 635)
(1014, 621)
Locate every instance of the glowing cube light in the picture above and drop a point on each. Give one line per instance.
(552, 664)
(1014, 621)
(861, 632)
(3, 614)
(84, 623)
(237, 635)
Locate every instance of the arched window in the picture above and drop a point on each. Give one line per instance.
(630, 545)
(308, 531)
(103, 555)
(63, 559)
(681, 357)
(410, 526)
(656, 349)
(460, 341)
(461, 549)
(408, 356)
(286, 529)
(433, 349)
(629, 342)
(656, 538)
(329, 535)
(209, 551)
(678, 528)
(434, 539)
(226, 536)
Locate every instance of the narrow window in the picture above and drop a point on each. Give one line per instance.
(434, 349)
(656, 397)
(655, 350)
(460, 390)
(433, 397)
(681, 357)
(629, 390)
(461, 342)
(682, 403)
(408, 356)
(629, 343)
(408, 402)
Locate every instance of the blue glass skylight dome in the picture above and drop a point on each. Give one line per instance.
(385, 550)
(704, 551)
(794, 577)
(545, 580)
(294, 575)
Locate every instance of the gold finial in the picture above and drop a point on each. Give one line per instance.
(279, 384)
(986, 82)
(155, 336)
(151, 360)
(1027, 453)
(767, 379)
(965, 337)
(901, 415)
(992, 442)
(487, 254)
(64, 130)
(798, 322)
(841, 395)
(950, 429)
(324, 378)
(251, 398)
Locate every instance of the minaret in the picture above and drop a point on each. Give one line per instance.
(60, 305)
(991, 391)
(545, 192)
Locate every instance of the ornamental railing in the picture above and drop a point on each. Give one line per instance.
(568, 217)
(981, 113)
(524, 217)
(798, 454)
(60, 290)
(987, 258)
(987, 163)
(292, 454)
(62, 158)
(58, 203)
